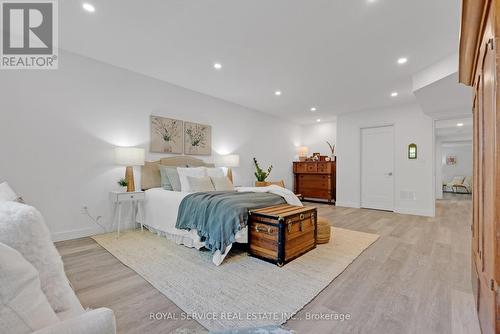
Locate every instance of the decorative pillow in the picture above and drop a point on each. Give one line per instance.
(23, 305)
(222, 184)
(173, 178)
(165, 182)
(200, 184)
(194, 172)
(216, 172)
(6, 193)
(22, 227)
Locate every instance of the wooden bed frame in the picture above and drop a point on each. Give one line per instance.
(150, 172)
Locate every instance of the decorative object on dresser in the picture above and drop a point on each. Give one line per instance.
(166, 135)
(282, 233)
(332, 151)
(118, 198)
(324, 231)
(302, 152)
(315, 179)
(229, 161)
(129, 157)
(197, 139)
(260, 174)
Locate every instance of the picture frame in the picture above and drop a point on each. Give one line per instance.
(197, 139)
(166, 135)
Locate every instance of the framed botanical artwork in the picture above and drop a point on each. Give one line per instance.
(451, 160)
(197, 139)
(166, 135)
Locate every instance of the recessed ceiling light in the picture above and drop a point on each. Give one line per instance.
(313, 109)
(394, 94)
(88, 7)
(217, 66)
(402, 60)
(318, 120)
(277, 93)
(371, 1)
(460, 124)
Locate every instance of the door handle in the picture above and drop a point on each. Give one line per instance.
(389, 174)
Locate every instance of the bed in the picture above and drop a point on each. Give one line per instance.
(161, 207)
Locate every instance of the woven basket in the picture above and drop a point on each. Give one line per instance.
(324, 230)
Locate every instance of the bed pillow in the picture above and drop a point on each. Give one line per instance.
(173, 178)
(23, 305)
(200, 184)
(6, 192)
(222, 184)
(216, 172)
(194, 172)
(164, 180)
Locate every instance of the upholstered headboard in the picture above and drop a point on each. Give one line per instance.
(150, 172)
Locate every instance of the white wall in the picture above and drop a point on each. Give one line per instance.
(463, 152)
(59, 128)
(314, 136)
(415, 176)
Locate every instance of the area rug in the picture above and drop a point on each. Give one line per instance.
(243, 292)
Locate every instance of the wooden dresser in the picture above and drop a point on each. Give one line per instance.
(315, 180)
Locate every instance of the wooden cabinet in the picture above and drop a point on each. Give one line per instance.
(315, 180)
(479, 68)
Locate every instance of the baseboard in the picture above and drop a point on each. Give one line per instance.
(415, 212)
(75, 234)
(348, 204)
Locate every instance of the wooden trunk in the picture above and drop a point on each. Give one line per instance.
(315, 179)
(479, 68)
(282, 233)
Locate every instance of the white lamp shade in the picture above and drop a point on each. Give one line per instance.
(230, 160)
(129, 156)
(302, 151)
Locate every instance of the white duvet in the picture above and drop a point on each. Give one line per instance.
(160, 215)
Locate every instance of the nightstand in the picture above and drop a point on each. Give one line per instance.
(118, 198)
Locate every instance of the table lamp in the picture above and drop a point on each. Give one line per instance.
(302, 152)
(129, 157)
(229, 161)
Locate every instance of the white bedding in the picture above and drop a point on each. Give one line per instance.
(160, 215)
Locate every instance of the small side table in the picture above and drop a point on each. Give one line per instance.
(118, 198)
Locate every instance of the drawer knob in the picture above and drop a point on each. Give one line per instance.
(301, 216)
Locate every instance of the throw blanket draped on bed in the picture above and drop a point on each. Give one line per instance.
(217, 216)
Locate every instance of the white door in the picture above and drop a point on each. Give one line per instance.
(377, 168)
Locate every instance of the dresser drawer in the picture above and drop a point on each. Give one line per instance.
(324, 168)
(316, 193)
(316, 183)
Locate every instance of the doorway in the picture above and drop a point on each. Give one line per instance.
(377, 168)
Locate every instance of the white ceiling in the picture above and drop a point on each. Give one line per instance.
(337, 55)
(447, 131)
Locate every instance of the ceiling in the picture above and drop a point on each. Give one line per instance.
(336, 55)
(448, 131)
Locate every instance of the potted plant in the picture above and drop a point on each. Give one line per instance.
(260, 174)
(123, 183)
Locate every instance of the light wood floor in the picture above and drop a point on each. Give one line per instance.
(414, 279)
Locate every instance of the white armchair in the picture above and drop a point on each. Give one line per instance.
(99, 321)
(22, 229)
